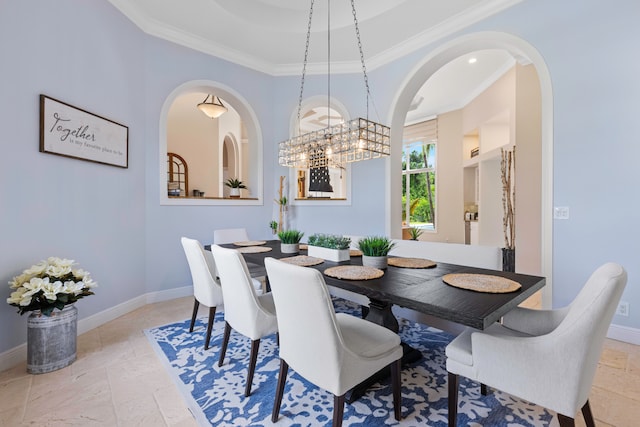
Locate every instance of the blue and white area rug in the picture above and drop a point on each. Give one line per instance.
(215, 394)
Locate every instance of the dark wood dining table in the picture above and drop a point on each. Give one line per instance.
(422, 290)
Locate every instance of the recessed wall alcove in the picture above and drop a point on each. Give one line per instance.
(236, 154)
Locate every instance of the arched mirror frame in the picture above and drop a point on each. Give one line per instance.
(432, 62)
(307, 104)
(254, 138)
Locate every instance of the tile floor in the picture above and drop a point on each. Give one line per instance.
(119, 381)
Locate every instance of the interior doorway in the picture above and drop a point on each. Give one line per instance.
(525, 54)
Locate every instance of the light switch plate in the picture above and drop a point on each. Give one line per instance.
(561, 212)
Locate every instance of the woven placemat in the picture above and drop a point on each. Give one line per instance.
(411, 263)
(303, 260)
(355, 252)
(254, 249)
(482, 283)
(250, 243)
(354, 272)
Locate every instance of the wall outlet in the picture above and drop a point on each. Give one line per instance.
(623, 309)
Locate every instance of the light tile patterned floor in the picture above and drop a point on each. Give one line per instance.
(119, 381)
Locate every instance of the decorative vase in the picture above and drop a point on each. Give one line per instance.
(508, 260)
(289, 248)
(234, 192)
(336, 255)
(375, 261)
(51, 340)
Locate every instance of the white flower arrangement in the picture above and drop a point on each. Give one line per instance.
(50, 284)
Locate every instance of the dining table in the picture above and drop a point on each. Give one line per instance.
(422, 289)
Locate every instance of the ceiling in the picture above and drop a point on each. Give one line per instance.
(270, 35)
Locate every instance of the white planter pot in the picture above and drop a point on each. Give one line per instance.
(234, 192)
(375, 261)
(335, 255)
(289, 248)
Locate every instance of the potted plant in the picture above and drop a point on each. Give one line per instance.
(41, 289)
(329, 246)
(415, 233)
(235, 185)
(273, 225)
(375, 250)
(290, 241)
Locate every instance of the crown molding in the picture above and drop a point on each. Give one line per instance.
(458, 22)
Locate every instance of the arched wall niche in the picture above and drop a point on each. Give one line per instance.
(524, 53)
(231, 164)
(253, 148)
(295, 128)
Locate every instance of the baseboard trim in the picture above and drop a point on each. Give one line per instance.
(18, 354)
(624, 333)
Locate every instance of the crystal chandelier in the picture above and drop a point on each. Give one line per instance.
(353, 141)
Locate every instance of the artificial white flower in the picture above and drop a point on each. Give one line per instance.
(40, 287)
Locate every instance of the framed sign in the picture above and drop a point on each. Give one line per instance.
(71, 132)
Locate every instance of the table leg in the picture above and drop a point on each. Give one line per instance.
(380, 313)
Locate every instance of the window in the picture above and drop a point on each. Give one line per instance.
(419, 175)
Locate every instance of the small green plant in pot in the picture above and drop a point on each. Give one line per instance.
(415, 233)
(235, 185)
(290, 241)
(329, 241)
(375, 250)
(273, 225)
(329, 246)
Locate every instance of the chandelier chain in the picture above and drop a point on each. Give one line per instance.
(364, 68)
(304, 65)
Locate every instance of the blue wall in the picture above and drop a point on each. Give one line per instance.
(110, 221)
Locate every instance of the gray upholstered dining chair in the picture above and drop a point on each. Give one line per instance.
(245, 311)
(333, 351)
(548, 357)
(206, 288)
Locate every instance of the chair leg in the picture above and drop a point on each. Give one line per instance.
(566, 421)
(255, 345)
(212, 315)
(484, 390)
(453, 399)
(338, 410)
(225, 341)
(196, 305)
(588, 416)
(395, 382)
(282, 379)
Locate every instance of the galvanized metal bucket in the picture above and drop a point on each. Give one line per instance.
(51, 340)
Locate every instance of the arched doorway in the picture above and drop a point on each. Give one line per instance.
(519, 49)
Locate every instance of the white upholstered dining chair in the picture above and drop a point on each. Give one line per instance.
(245, 311)
(548, 357)
(206, 288)
(229, 235)
(223, 236)
(333, 351)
